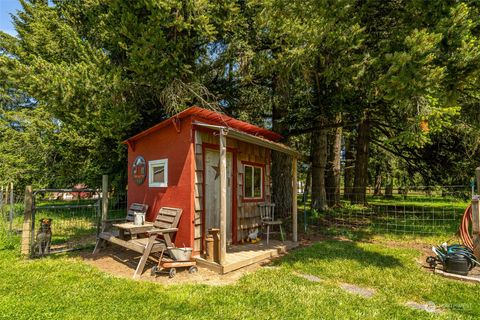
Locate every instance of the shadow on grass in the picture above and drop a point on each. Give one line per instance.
(335, 250)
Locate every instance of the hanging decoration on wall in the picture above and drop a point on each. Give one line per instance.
(139, 170)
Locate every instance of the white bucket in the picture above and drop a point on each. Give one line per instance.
(138, 218)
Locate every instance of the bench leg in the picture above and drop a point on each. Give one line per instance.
(268, 233)
(98, 245)
(144, 258)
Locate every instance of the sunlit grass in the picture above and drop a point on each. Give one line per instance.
(64, 287)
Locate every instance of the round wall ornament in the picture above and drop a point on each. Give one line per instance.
(139, 170)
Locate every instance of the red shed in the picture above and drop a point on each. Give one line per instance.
(216, 168)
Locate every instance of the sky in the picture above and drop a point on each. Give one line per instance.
(7, 7)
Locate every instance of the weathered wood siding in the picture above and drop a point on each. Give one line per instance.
(248, 216)
(198, 192)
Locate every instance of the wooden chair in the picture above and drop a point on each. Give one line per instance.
(165, 225)
(267, 215)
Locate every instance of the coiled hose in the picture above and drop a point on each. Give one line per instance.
(465, 227)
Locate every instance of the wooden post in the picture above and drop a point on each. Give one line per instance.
(294, 200)
(12, 204)
(1, 199)
(477, 175)
(104, 200)
(27, 222)
(223, 196)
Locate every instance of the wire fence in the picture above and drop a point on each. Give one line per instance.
(62, 219)
(423, 211)
(419, 211)
(11, 213)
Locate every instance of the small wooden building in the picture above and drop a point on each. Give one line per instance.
(214, 167)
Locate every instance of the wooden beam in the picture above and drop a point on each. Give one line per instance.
(294, 201)
(223, 196)
(27, 222)
(477, 175)
(104, 200)
(476, 225)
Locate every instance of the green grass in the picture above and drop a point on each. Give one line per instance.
(64, 287)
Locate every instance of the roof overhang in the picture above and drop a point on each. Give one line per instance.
(245, 137)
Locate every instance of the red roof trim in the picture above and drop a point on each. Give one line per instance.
(216, 118)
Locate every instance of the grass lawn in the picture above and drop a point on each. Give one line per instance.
(63, 287)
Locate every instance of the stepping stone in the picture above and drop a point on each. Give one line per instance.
(364, 292)
(428, 307)
(309, 277)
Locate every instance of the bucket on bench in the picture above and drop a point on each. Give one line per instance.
(139, 218)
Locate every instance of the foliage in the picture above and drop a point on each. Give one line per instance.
(82, 76)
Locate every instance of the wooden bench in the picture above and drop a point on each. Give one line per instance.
(165, 225)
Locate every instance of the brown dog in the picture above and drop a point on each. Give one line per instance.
(44, 237)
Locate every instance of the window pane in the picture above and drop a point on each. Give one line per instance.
(159, 173)
(247, 182)
(257, 186)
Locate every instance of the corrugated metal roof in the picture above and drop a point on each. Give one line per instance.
(215, 118)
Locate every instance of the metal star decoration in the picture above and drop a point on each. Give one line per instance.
(217, 170)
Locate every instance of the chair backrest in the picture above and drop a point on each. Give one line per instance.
(168, 218)
(136, 207)
(267, 211)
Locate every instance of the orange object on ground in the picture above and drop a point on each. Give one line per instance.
(465, 227)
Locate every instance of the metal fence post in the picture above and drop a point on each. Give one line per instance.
(12, 204)
(27, 222)
(104, 200)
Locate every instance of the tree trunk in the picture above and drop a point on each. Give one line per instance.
(308, 183)
(361, 163)
(281, 173)
(348, 168)
(281, 184)
(377, 187)
(389, 188)
(319, 163)
(333, 172)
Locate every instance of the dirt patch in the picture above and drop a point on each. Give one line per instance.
(122, 263)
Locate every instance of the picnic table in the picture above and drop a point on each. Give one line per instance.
(132, 229)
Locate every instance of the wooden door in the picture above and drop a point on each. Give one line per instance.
(212, 191)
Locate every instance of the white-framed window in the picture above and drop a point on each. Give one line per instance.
(158, 173)
(253, 182)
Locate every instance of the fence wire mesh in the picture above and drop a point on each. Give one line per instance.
(423, 211)
(73, 216)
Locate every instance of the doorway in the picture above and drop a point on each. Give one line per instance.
(212, 191)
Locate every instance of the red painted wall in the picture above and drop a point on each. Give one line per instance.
(177, 147)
